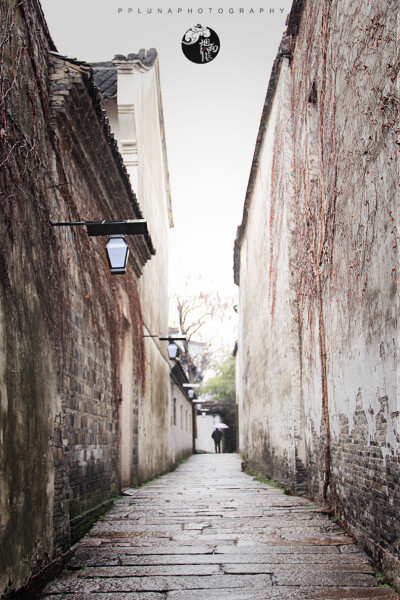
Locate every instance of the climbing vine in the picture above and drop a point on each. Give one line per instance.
(38, 181)
(343, 157)
(25, 179)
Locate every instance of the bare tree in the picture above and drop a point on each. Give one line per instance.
(193, 313)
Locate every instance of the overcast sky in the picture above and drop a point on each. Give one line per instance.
(212, 111)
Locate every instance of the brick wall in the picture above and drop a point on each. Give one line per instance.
(63, 317)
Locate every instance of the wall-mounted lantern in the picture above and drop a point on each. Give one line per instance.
(191, 387)
(173, 348)
(116, 248)
(117, 253)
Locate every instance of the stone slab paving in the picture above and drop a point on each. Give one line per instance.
(208, 532)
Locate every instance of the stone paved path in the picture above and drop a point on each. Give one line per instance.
(208, 532)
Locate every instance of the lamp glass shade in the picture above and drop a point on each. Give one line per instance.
(172, 350)
(117, 253)
(191, 394)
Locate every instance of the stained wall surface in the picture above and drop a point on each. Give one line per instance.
(317, 356)
(181, 425)
(64, 320)
(136, 118)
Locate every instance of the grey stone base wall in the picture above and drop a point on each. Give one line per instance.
(367, 490)
(81, 524)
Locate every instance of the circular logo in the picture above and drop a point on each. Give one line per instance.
(200, 44)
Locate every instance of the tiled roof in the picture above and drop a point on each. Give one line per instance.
(146, 57)
(105, 77)
(105, 73)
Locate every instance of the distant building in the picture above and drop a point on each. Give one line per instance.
(198, 352)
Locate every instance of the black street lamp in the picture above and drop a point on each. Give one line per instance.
(117, 249)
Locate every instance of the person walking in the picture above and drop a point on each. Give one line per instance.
(217, 437)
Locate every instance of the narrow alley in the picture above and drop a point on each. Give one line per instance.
(191, 246)
(208, 530)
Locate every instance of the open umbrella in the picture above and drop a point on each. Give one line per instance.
(221, 426)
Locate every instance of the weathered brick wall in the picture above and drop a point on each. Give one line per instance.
(62, 315)
(106, 311)
(32, 294)
(338, 185)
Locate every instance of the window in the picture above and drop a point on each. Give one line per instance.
(174, 411)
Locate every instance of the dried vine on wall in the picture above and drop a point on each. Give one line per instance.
(334, 163)
(25, 180)
(314, 206)
(97, 286)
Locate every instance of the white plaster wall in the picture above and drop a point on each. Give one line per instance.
(361, 297)
(356, 122)
(153, 285)
(266, 342)
(126, 409)
(136, 124)
(363, 302)
(154, 422)
(181, 425)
